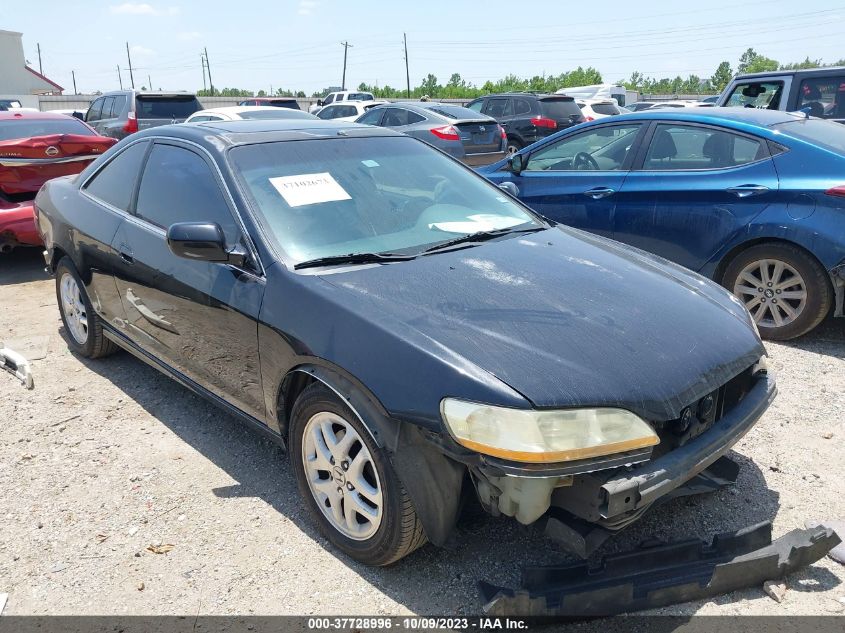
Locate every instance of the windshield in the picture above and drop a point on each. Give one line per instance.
(28, 128)
(827, 134)
(332, 197)
(756, 94)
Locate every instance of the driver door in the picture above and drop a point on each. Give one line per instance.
(574, 179)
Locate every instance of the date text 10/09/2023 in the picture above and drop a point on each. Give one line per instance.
(416, 624)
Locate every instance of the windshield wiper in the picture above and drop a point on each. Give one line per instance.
(353, 258)
(480, 236)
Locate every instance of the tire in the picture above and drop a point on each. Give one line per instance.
(375, 538)
(513, 146)
(786, 290)
(83, 326)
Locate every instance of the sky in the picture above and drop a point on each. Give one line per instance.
(296, 44)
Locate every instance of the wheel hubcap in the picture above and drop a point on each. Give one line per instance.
(342, 476)
(73, 308)
(773, 292)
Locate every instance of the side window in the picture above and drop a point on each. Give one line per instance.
(372, 117)
(398, 117)
(115, 182)
(95, 110)
(680, 147)
(108, 104)
(824, 97)
(602, 149)
(179, 186)
(498, 108)
(349, 111)
(328, 99)
(328, 112)
(764, 95)
(476, 105)
(521, 106)
(119, 105)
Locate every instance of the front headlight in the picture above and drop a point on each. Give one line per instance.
(545, 436)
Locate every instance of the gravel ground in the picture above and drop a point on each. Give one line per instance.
(106, 460)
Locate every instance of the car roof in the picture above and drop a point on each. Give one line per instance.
(747, 116)
(236, 110)
(269, 98)
(781, 73)
(16, 113)
(218, 135)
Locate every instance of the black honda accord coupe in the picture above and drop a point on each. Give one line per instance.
(412, 334)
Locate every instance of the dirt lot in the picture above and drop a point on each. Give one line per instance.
(106, 458)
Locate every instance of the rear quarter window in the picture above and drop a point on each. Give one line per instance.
(114, 183)
(826, 134)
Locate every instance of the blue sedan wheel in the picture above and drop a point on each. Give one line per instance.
(784, 288)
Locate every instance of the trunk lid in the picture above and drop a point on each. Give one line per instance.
(26, 164)
(480, 136)
(561, 109)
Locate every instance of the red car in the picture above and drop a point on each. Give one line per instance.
(35, 147)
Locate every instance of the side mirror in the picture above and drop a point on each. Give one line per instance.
(509, 187)
(201, 241)
(516, 163)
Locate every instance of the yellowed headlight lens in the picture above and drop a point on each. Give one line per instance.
(545, 436)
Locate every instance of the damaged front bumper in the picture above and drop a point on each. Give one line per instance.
(614, 493)
(660, 575)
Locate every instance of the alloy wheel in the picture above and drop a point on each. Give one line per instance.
(73, 308)
(342, 476)
(773, 292)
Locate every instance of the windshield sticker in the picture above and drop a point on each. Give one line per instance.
(369, 163)
(478, 222)
(309, 189)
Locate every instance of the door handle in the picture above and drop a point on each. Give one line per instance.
(744, 191)
(599, 192)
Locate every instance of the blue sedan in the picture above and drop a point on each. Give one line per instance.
(753, 199)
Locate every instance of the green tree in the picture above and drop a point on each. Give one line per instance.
(722, 76)
(429, 86)
(753, 62)
(807, 63)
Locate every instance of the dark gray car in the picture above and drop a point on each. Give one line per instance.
(473, 138)
(120, 113)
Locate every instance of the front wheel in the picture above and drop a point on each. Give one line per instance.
(82, 325)
(347, 481)
(786, 290)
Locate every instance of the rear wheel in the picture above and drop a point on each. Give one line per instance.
(513, 146)
(83, 326)
(785, 289)
(348, 483)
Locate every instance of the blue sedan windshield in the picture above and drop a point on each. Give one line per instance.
(333, 197)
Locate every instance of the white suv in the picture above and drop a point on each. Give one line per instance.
(335, 97)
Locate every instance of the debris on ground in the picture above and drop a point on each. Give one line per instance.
(160, 549)
(3, 598)
(775, 589)
(141, 586)
(658, 575)
(17, 365)
(838, 526)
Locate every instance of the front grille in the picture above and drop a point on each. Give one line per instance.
(698, 417)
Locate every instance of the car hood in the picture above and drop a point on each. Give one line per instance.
(566, 319)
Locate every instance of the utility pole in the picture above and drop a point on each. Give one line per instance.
(131, 76)
(202, 61)
(208, 65)
(73, 74)
(40, 69)
(119, 77)
(346, 46)
(407, 74)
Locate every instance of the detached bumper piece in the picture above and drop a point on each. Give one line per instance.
(659, 575)
(16, 365)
